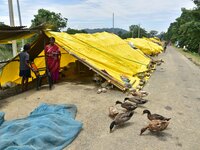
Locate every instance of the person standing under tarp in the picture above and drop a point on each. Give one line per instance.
(25, 71)
(53, 55)
(165, 46)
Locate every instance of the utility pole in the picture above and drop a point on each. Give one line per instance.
(20, 20)
(113, 22)
(139, 31)
(132, 33)
(14, 44)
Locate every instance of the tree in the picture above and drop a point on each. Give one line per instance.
(162, 35)
(153, 33)
(186, 29)
(74, 31)
(197, 2)
(54, 20)
(119, 33)
(126, 35)
(137, 31)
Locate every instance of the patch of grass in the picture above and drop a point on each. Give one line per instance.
(5, 54)
(194, 57)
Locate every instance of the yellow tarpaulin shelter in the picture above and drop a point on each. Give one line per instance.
(10, 72)
(156, 40)
(7, 33)
(104, 53)
(146, 46)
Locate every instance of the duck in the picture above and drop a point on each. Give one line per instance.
(156, 126)
(136, 100)
(157, 61)
(139, 94)
(121, 118)
(154, 116)
(128, 106)
(113, 111)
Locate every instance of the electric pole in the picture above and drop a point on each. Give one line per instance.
(113, 22)
(132, 33)
(12, 24)
(20, 20)
(139, 31)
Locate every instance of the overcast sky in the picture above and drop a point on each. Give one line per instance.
(150, 14)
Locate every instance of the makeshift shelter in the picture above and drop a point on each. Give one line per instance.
(8, 33)
(156, 40)
(146, 46)
(104, 53)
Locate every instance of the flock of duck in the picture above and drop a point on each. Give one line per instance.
(157, 122)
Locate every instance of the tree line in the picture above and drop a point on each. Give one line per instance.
(56, 22)
(185, 31)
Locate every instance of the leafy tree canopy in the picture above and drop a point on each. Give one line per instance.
(54, 20)
(138, 31)
(153, 33)
(186, 29)
(74, 31)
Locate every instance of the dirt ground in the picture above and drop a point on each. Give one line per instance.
(174, 92)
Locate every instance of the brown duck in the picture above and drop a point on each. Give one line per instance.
(156, 126)
(128, 106)
(154, 116)
(139, 94)
(136, 100)
(121, 118)
(113, 111)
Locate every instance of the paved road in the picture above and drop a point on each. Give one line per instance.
(174, 92)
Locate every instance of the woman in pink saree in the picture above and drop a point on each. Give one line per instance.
(53, 55)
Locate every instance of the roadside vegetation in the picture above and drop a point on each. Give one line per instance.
(194, 57)
(5, 53)
(185, 31)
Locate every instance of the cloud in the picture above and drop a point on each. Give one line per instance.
(151, 14)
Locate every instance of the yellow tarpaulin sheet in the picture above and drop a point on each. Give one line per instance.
(6, 38)
(156, 40)
(146, 46)
(106, 53)
(10, 72)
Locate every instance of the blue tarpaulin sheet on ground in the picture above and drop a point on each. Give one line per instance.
(48, 127)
